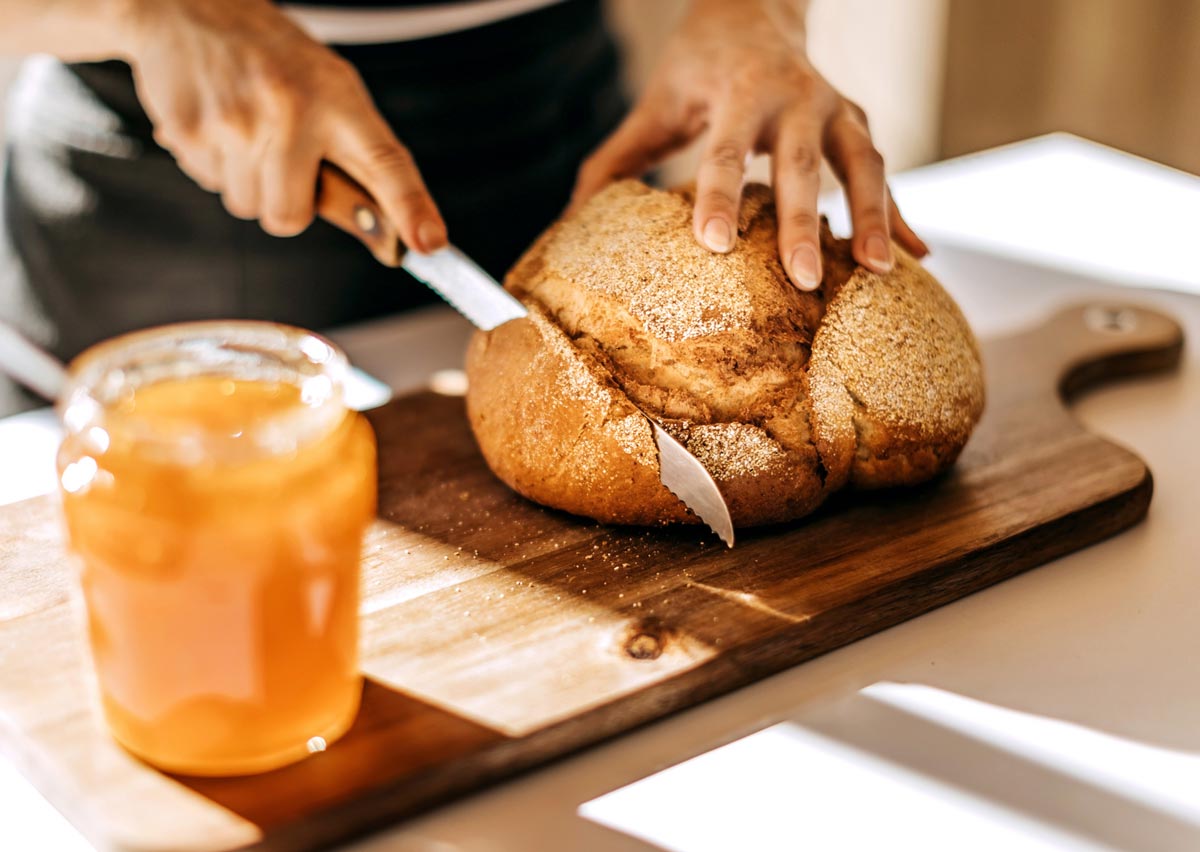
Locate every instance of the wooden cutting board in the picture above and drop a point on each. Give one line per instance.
(498, 635)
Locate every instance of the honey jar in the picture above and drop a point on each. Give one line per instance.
(216, 490)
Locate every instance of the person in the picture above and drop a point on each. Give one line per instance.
(160, 151)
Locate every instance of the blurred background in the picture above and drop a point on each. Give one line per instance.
(940, 78)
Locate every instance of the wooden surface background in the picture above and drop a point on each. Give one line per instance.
(1120, 72)
(498, 635)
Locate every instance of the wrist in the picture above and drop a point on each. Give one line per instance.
(785, 17)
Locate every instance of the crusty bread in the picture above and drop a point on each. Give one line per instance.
(785, 396)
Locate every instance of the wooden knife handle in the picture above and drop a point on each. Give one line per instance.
(343, 202)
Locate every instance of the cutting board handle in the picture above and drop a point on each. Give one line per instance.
(1086, 344)
(343, 202)
(1031, 375)
(1112, 341)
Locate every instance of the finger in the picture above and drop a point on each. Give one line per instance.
(371, 154)
(176, 122)
(720, 176)
(640, 142)
(205, 167)
(195, 156)
(289, 179)
(904, 234)
(797, 180)
(240, 182)
(860, 168)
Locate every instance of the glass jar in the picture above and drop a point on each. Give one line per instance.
(216, 490)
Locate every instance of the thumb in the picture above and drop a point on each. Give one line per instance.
(372, 155)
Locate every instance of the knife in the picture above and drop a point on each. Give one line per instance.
(476, 295)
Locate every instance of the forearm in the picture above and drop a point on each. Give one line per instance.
(74, 30)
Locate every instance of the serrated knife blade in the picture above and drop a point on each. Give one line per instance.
(689, 480)
(462, 283)
(480, 298)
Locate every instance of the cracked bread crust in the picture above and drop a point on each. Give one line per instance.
(555, 428)
(896, 354)
(782, 396)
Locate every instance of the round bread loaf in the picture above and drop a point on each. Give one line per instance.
(785, 396)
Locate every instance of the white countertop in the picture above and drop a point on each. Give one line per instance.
(1058, 710)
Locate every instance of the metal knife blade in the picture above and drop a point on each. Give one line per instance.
(462, 283)
(690, 481)
(481, 299)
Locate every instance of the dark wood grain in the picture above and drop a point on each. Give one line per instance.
(498, 635)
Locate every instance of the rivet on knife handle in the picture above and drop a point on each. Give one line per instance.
(343, 202)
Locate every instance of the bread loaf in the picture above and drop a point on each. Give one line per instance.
(785, 396)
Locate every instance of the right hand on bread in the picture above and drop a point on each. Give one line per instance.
(249, 105)
(738, 68)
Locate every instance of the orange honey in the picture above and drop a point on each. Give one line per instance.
(217, 512)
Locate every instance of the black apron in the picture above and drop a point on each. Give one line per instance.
(104, 234)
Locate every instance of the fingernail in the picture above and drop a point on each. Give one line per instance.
(431, 235)
(718, 236)
(802, 266)
(879, 257)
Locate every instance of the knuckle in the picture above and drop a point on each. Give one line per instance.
(715, 198)
(744, 84)
(179, 128)
(408, 198)
(803, 85)
(274, 78)
(412, 198)
(234, 117)
(727, 156)
(340, 70)
(393, 159)
(339, 79)
(237, 207)
(872, 213)
(201, 177)
(195, 162)
(408, 193)
(802, 221)
(804, 161)
(167, 139)
(868, 156)
(854, 112)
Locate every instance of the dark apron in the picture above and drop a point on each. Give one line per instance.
(106, 235)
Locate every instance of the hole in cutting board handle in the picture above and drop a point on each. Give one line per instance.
(1109, 318)
(1098, 342)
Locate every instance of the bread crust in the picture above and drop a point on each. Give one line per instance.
(785, 396)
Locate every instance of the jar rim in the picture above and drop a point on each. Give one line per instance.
(250, 349)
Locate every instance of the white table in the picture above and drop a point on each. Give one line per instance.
(1058, 710)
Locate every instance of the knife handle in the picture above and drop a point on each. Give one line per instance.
(343, 202)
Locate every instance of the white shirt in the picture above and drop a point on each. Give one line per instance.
(370, 25)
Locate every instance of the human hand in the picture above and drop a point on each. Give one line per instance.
(249, 105)
(739, 69)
